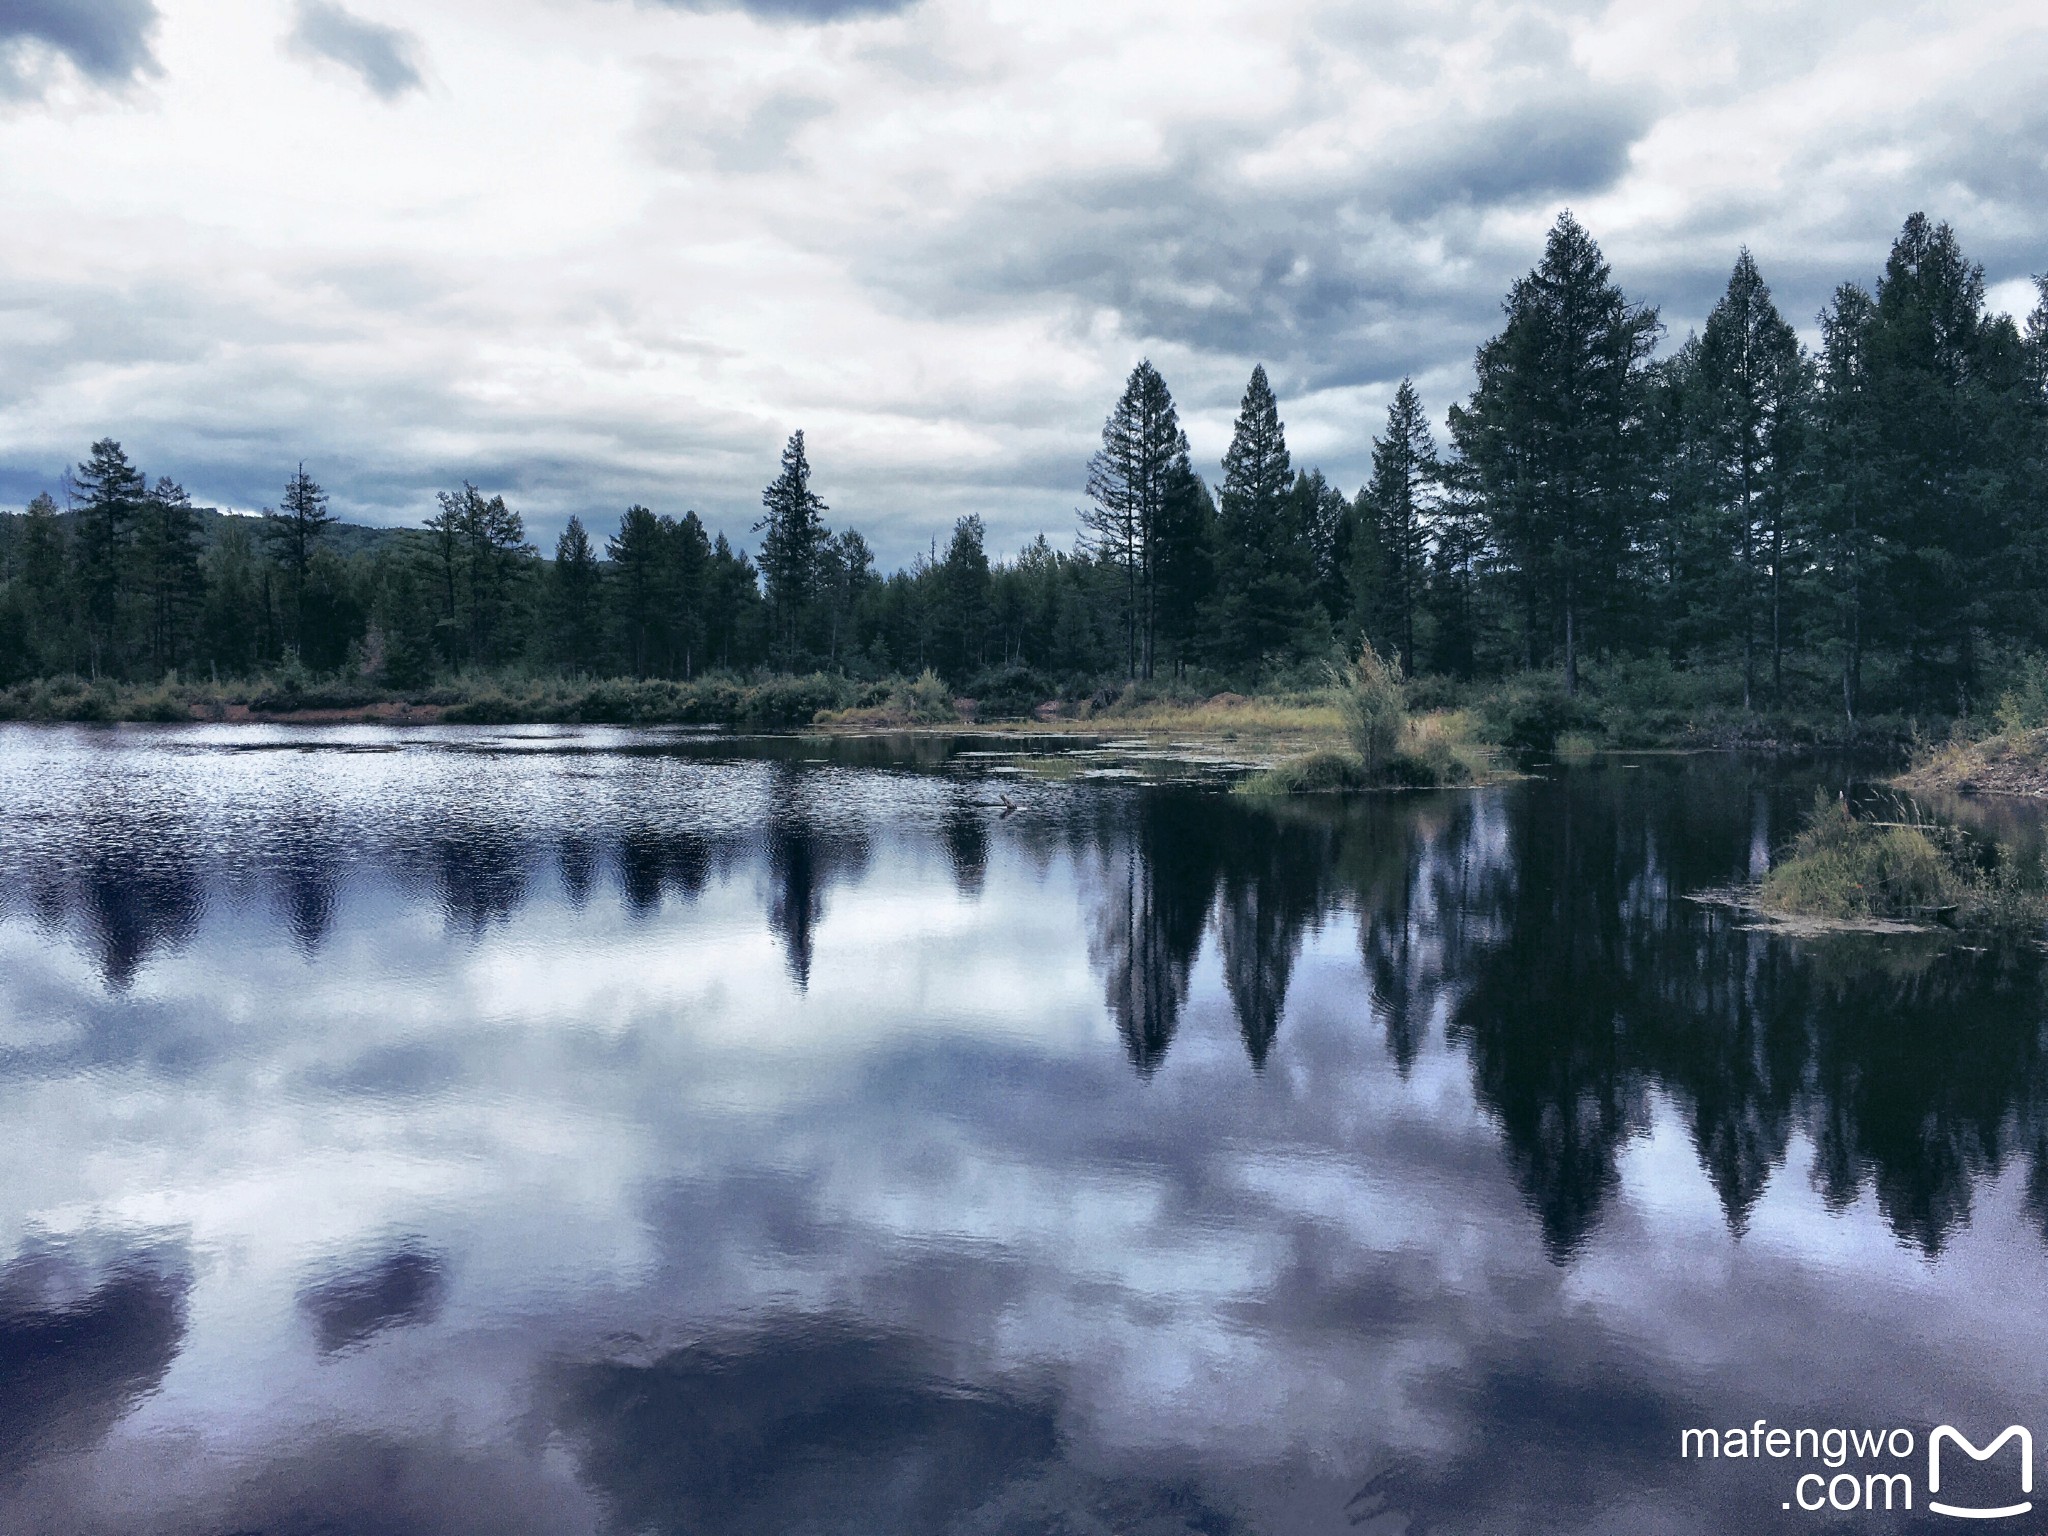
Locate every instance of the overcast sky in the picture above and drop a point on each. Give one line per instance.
(590, 252)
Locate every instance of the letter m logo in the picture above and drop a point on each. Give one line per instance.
(1962, 1443)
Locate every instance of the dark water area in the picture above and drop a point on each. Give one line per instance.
(541, 1131)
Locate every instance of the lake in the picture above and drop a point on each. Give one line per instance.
(487, 1131)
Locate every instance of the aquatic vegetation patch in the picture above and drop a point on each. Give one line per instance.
(1848, 867)
(1435, 751)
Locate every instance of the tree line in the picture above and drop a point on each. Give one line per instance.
(1853, 527)
(1864, 521)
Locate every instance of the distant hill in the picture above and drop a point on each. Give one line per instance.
(345, 539)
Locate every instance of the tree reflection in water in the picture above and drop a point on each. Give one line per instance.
(1537, 929)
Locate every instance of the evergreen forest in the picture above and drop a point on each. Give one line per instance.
(1850, 530)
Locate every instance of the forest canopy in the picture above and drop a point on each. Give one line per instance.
(1850, 528)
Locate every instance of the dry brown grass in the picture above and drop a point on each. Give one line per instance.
(2013, 762)
(1286, 724)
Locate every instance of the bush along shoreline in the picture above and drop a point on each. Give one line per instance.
(1449, 729)
(1386, 747)
(1896, 865)
(2011, 758)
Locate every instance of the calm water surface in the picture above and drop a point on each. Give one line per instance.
(603, 1132)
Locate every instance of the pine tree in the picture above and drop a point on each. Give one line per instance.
(574, 606)
(403, 615)
(167, 562)
(232, 617)
(1324, 518)
(1691, 584)
(1399, 497)
(1552, 435)
(1369, 609)
(733, 607)
(1947, 384)
(332, 612)
(1263, 572)
(849, 567)
(481, 551)
(442, 561)
(643, 597)
(961, 602)
(1457, 548)
(1754, 380)
(44, 576)
(107, 493)
(294, 533)
(1141, 465)
(796, 533)
(690, 574)
(1183, 566)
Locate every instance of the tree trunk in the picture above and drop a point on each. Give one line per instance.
(1748, 602)
(1777, 612)
(1571, 643)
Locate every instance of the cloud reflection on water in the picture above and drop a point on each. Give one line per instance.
(521, 1110)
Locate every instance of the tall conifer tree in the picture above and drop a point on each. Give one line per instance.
(1263, 565)
(574, 598)
(294, 532)
(1141, 466)
(1399, 496)
(1552, 434)
(795, 533)
(107, 493)
(1754, 380)
(167, 561)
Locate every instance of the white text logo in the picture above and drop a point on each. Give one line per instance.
(1950, 1432)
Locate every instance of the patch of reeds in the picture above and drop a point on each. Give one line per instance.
(1899, 863)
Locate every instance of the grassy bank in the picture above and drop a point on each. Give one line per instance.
(2008, 762)
(1384, 745)
(1303, 717)
(2008, 758)
(1634, 706)
(763, 703)
(1902, 866)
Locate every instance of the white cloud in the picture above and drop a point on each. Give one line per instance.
(618, 250)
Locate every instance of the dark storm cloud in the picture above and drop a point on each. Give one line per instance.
(1338, 283)
(1293, 279)
(1532, 153)
(107, 41)
(386, 59)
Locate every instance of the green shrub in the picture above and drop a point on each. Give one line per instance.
(1426, 762)
(1008, 693)
(1375, 709)
(1843, 867)
(926, 700)
(2024, 706)
(785, 701)
(1529, 713)
(161, 705)
(1577, 746)
(1317, 773)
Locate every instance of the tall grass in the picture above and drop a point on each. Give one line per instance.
(1847, 867)
(1389, 747)
(1375, 709)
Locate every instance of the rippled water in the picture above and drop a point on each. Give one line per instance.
(559, 1132)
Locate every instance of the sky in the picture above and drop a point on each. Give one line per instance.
(595, 252)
